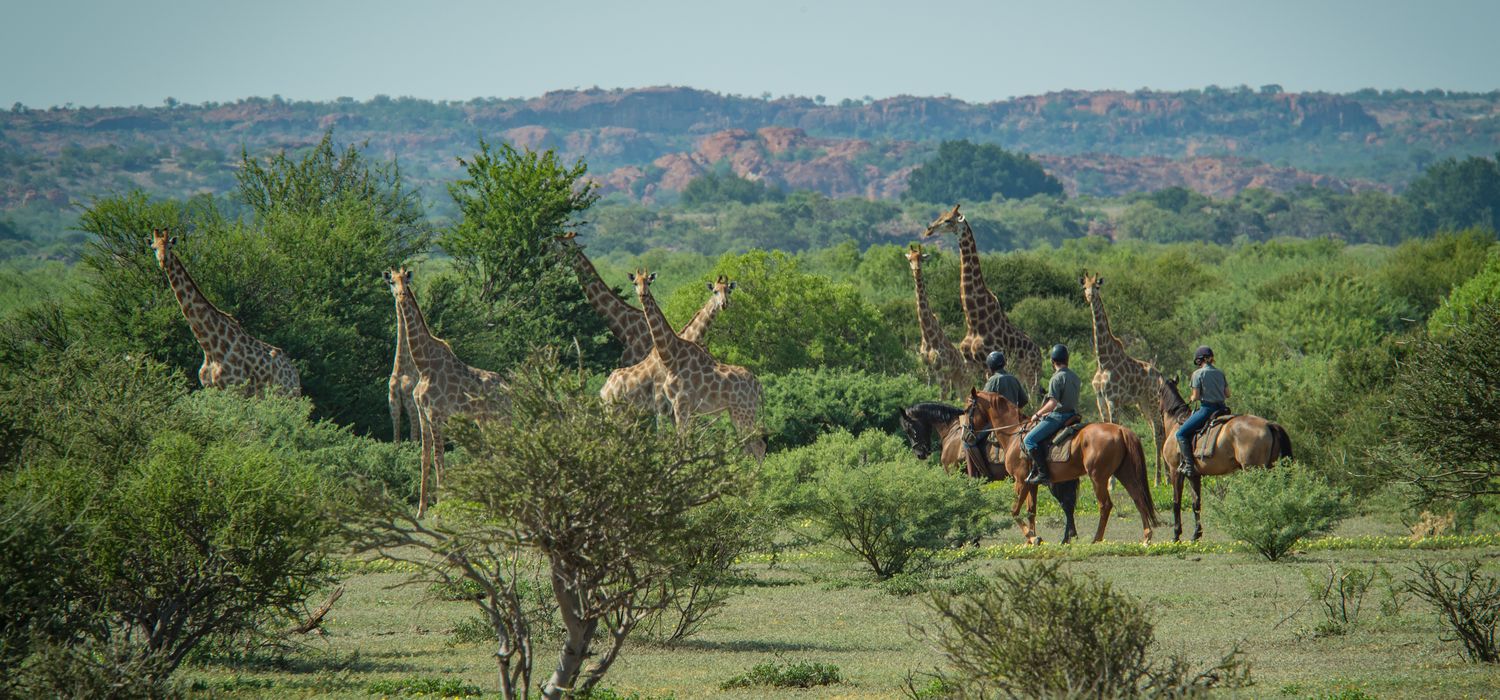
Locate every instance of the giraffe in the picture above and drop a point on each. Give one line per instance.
(695, 383)
(403, 381)
(640, 383)
(445, 387)
(1121, 381)
(942, 359)
(988, 327)
(231, 356)
(624, 321)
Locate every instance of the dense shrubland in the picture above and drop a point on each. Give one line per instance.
(1364, 351)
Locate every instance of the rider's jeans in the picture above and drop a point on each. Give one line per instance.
(1046, 428)
(1195, 422)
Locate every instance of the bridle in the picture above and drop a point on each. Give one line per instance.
(975, 441)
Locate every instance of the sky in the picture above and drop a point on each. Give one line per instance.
(139, 52)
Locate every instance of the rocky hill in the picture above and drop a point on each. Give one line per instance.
(646, 142)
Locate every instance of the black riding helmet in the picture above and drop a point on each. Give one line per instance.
(1202, 353)
(995, 361)
(1059, 353)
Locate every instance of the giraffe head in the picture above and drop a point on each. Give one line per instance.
(399, 280)
(162, 241)
(567, 240)
(949, 222)
(642, 281)
(1091, 285)
(915, 255)
(721, 288)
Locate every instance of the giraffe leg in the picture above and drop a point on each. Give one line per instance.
(411, 417)
(426, 462)
(394, 400)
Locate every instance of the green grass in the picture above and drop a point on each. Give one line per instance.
(817, 607)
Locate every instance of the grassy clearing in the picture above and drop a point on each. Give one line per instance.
(817, 607)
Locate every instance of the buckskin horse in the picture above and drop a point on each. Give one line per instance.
(1098, 450)
(1243, 441)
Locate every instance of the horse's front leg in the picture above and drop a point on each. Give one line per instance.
(1176, 480)
(1197, 508)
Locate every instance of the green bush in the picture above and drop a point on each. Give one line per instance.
(1340, 593)
(993, 640)
(786, 674)
(1271, 509)
(800, 405)
(874, 500)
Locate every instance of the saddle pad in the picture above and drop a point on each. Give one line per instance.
(1209, 436)
(1062, 444)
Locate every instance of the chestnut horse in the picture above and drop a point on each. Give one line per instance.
(1244, 441)
(1099, 450)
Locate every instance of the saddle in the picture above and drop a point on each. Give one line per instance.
(1061, 444)
(1204, 441)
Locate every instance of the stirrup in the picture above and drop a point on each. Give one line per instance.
(1187, 468)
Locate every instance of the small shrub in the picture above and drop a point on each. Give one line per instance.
(1271, 509)
(1467, 601)
(992, 641)
(471, 630)
(441, 687)
(933, 689)
(909, 584)
(612, 694)
(92, 669)
(893, 513)
(779, 674)
(1340, 593)
(803, 404)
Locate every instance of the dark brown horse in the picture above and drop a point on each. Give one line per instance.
(924, 421)
(1099, 450)
(1244, 441)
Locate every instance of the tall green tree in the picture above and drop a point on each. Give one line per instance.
(299, 269)
(511, 288)
(963, 171)
(1456, 194)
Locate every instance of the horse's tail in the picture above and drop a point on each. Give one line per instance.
(1283, 442)
(1132, 475)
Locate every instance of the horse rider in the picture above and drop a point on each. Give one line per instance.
(1210, 390)
(1004, 383)
(1060, 407)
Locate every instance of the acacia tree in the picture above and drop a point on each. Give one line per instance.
(609, 506)
(1445, 410)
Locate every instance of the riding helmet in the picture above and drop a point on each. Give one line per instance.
(1059, 353)
(995, 361)
(1202, 353)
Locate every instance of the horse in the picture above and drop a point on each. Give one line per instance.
(1099, 450)
(921, 421)
(1244, 441)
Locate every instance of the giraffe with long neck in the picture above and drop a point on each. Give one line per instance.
(695, 383)
(231, 356)
(399, 389)
(1121, 381)
(624, 321)
(988, 328)
(445, 385)
(641, 383)
(943, 361)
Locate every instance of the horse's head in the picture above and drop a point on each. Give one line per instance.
(918, 433)
(990, 411)
(1171, 397)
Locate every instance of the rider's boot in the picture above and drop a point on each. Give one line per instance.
(1189, 466)
(1039, 473)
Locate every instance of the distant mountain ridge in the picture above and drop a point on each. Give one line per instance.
(644, 142)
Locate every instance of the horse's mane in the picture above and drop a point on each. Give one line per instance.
(1176, 407)
(932, 411)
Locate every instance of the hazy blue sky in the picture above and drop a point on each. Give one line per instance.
(126, 52)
